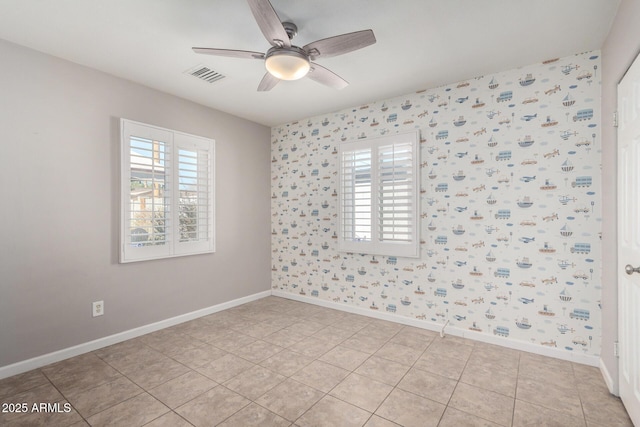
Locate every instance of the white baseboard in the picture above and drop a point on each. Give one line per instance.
(56, 356)
(609, 380)
(449, 330)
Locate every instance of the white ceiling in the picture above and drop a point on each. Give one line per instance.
(420, 44)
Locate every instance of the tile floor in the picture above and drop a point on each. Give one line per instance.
(277, 362)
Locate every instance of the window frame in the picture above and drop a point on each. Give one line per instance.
(376, 245)
(176, 143)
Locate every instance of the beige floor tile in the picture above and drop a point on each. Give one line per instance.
(483, 403)
(124, 356)
(232, 341)
(225, 368)
(320, 375)
(281, 320)
(312, 347)
(327, 317)
(383, 327)
(399, 353)
(529, 415)
(492, 353)
(306, 327)
(378, 332)
(330, 411)
(209, 333)
(589, 378)
(254, 415)
(603, 408)
(526, 357)
(286, 362)
(80, 373)
(450, 347)
(170, 419)
(382, 370)
(133, 412)
(551, 372)
(284, 338)
(254, 382)
(149, 375)
(257, 351)
(441, 365)
(431, 386)
(171, 343)
(240, 322)
(376, 421)
(357, 360)
(333, 334)
(538, 391)
(414, 338)
(97, 399)
(31, 413)
(408, 409)
(290, 399)
(212, 407)
(344, 357)
(182, 389)
(491, 376)
(55, 416)
(455, 418)
(261, 330)
(22, 382)
(363, 342)
(200, 356)
(361, 391)
(351, 322)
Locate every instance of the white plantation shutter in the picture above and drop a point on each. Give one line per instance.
(167, 193)
(378, 201)
(195, 185)
(357, 195)
(396, 207)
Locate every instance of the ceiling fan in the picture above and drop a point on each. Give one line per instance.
(285, 61)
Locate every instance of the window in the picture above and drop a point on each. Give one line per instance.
(167, 193)
(378, 196)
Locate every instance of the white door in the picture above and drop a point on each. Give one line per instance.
(629, 240)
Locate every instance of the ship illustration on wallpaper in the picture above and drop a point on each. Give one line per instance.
(525, 202)
(525, 142)
(527, 80)
(546, 311)
(565, 296)
(523, 323)
(568, 100)
(565, 231)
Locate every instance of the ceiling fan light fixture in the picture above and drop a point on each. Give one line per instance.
(290, 63)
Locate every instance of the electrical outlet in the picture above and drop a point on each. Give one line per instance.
(98, 308)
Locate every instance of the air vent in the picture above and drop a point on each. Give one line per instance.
(205, 74)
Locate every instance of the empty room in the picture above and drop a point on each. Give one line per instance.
(286, 213)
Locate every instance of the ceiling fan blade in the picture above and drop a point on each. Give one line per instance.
(338, 45)
(269, 23)
(229, 52)
(268, 82)
(327, 77)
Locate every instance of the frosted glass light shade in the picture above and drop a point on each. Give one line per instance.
(287, 64)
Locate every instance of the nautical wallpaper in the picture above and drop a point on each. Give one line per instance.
(510, 207)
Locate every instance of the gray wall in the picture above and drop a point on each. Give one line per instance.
(618, 52)
(59, 215)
